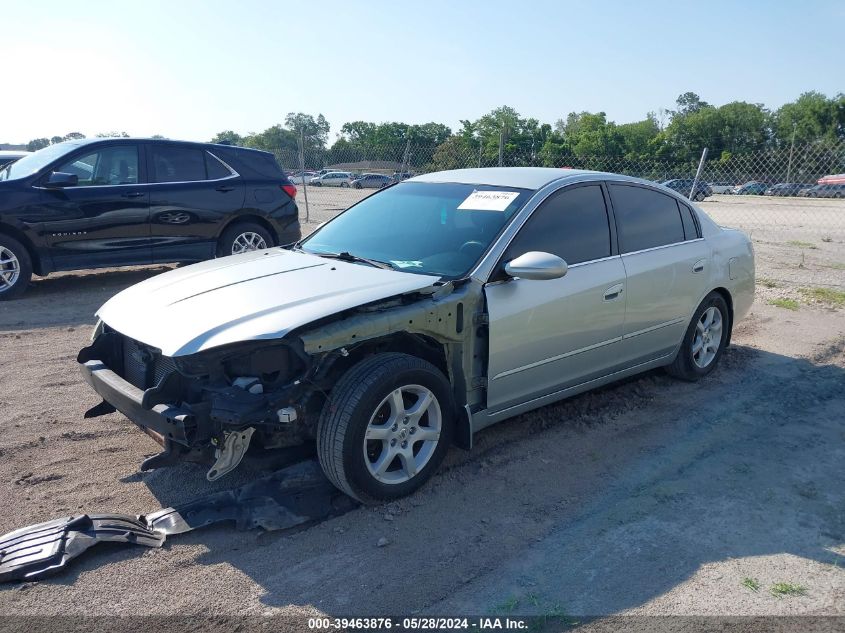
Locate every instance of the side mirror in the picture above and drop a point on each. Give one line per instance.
(536, 265)
(59, 179)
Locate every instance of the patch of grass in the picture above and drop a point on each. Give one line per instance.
(766, 283)
(751, 583)
(801, 244)
(789, 304)
(781, 589)
(828, 296)
(835, 265)
(533, 600)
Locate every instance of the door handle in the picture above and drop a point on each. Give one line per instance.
(132, 194)
(614, 292)
(698, 266)
(225, 188)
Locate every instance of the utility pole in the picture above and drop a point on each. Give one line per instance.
(697, 174)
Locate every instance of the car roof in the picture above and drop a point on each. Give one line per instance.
(162, 141)
(520, 177)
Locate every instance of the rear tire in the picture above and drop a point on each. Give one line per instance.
(704, 341)
(699, 197)
(344, 185)
(385, 427)
(243, 237)
(15, 268)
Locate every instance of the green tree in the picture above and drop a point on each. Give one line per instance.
(228, 136)
(37, 143)
(112, 135)
(73, 136)
(812, 117)
(314, 131)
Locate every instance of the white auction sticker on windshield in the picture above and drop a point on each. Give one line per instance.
(488, 200)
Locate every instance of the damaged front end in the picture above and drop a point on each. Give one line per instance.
(206, 407)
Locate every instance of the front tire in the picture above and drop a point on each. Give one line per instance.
(385, 427)
(704, 341)
(344, 185)
(242, 238)
(15, 268)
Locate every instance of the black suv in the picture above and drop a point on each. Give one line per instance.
(118, 202)
(684, 185)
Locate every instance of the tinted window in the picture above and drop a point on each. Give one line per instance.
(571, 224)
(215, 168)
(690, 230)
(108, 166)
(645, 218)
(177, 164)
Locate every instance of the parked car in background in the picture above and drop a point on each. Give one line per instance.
(402, 175)
(116, 202)
(10, 156)
(786, 189)
(824, 191)
(420, 315)
(332, 179)
(301, 177)
(752, 188)
(720, 187)
(684, 186)
(372, 181)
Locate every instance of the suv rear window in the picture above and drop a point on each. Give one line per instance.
(645, 218)
(177, 164)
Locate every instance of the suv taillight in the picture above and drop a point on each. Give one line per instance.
(290, 190)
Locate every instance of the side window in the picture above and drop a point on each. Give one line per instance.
(571, 223)
(215, 168)
(690, 229)
(177, 164)
(108, 166)
(645, 218)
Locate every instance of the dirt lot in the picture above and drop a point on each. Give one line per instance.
(650, 496)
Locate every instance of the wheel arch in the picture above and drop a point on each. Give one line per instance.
(414, 344)
(20, 236)
(726, 295)
(247, 218)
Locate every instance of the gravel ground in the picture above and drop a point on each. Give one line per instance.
(646, 497)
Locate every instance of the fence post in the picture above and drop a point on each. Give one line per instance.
(501, 147)
(302, 171)
(791, 148)
(697, 174)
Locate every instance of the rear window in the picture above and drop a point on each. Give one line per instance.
(177, 164)
(645, 218)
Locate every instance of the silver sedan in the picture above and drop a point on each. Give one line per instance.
(422, 314)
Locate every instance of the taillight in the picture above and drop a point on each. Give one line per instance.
(290, 190)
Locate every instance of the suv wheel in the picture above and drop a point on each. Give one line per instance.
(704, 341)
(699, 197)
(15, 268)
(386, 427)
(242, 238)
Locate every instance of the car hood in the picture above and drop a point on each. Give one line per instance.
(258, 295)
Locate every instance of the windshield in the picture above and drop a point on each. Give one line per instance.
(36, 161)
(428, 228)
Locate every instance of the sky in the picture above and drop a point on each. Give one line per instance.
(188, 69)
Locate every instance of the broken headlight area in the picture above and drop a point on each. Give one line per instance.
(207, 407)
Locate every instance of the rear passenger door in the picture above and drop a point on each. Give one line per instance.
(666, 265)
(192, 194)
(553, 334)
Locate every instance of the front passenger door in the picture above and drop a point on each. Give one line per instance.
(552, 334)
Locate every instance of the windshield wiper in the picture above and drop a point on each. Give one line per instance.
(346, 256)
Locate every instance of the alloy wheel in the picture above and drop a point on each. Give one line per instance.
(402, 434)
(707, 338)
(10, 269)
(248, 241)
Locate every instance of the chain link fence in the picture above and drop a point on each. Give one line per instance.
(791, 200)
